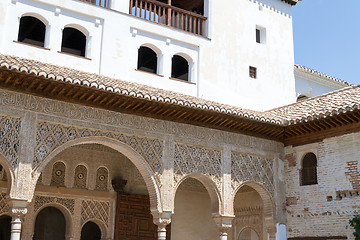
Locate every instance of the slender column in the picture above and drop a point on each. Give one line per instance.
(224, 224)
(18, 210)
(162, 220)
(270, 228)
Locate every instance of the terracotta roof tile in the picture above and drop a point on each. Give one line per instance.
(64, 74)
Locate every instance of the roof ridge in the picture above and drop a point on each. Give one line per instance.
(321, 74)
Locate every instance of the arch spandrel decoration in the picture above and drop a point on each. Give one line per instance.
(245, 167)
(4, 207)
(91, 209)
(50, 136)
(10, 139)
(68, 203)
(194, 159)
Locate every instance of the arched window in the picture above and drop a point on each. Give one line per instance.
(5, 225)
(90, 231)
(31, 31)
(73, 42)
(180, 68)
(147, 60)
(58, 175)
(50, 224)
(309, 170)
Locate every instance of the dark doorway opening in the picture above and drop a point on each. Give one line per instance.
(5, 227)
(73, 42)
(90, 231)
(32, 31)
(50, 224)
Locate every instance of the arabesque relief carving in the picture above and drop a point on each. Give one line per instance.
(91, 209)
(68, 203)
(10, 139)
(193, 159)
(49, 136)
(4, 207)
(245, 167)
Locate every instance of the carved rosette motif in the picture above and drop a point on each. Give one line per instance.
(248, 217)
(68, 203)
(4, 207)
(245, 167)
(102, 179)
(49, 136)
(99, 210)
(80, 177)
(10, 138)
(194, 159)
(58, 175)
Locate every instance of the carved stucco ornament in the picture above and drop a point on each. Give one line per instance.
(50, 136)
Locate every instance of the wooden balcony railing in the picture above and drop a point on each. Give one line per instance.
(101, 3)
(166, 14)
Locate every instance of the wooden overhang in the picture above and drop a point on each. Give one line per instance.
(292, 2)
(289, 134)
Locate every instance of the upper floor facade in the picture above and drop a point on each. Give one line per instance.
(238, 53)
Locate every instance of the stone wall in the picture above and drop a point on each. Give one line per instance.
(324, 209)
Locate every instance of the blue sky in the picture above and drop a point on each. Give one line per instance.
(327, 37)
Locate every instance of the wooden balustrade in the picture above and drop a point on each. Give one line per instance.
(166, 14)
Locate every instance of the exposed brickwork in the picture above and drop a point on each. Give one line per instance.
(314, 216)
(291, 158)
(354, 174)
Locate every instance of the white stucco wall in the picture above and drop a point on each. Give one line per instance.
(219, 63)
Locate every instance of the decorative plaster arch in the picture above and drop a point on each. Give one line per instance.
(37, 16)
(63, 210)
(104, 233)
(143, 167)
(152, 47)
(211, 188)
(79, 28)
(185, 56)
(269, 207)
(5, 163)
(242, 229)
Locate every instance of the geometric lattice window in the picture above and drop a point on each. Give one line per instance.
(58, 175)
(102, 177)
(32, 31)
(80, 178)
(309, 170)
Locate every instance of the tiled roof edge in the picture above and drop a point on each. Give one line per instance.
(317, 73)
(158, 98)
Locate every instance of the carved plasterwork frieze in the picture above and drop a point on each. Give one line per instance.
(49, 136)
(245, 167)
(4, 207)
(10, 138)
(41, 201)
(194, 159)
(91, 209)
(248, 217)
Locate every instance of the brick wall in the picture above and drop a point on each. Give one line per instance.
(324, 209)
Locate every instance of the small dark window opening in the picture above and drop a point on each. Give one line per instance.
(73, 42)
(252, 72)
(180, 68)
(301, 97)
(147, 60)
(32, 31)
(309, 170)
(258, 36)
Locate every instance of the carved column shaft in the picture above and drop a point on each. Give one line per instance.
(18, 210)
(162, 220)
(224, 224)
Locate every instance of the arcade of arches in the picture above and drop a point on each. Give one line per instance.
(117, 182)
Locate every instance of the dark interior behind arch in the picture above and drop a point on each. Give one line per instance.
(73, 42)
(32, 31)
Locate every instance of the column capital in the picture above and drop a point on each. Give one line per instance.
(224, 224)
(162, 219)
(18, 207)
